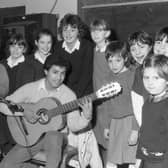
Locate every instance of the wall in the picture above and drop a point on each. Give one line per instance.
(117, 2)
(126, 16)
(43, 6)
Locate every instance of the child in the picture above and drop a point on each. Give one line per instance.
(139, 45)
(118, 110)
(14, 73)
(161, 42)
(43, 48)
(78, 51)
(152, 147)
(100, 31)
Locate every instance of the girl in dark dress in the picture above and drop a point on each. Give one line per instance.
(78, 51)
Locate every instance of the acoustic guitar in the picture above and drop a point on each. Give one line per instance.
(51, 113)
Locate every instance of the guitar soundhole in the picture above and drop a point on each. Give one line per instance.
(44, 119)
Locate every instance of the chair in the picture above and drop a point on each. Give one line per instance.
(70, 158)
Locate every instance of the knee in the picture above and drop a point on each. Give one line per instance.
(6, 163)
(54, 138)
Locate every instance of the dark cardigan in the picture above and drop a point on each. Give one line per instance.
(79, 79)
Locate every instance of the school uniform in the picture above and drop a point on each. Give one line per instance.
(79, 79)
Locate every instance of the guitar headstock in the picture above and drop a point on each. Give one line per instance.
(109, 90)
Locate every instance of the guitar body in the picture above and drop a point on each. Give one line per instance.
(26, 133)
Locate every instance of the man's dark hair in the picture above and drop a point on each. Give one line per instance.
(58, 61)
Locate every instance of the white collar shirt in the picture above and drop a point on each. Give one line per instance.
(76, 47)
(103, 49)
(38, 57)
(42, 87)
(13, 64)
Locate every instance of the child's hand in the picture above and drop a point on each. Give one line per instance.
(133, 138)
(106, 133)
(86, 106)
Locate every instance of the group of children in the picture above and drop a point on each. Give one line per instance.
(131, 127)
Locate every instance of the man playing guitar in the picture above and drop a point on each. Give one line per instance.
(53, 141)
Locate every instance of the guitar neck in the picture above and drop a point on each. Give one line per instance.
(70, 106)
